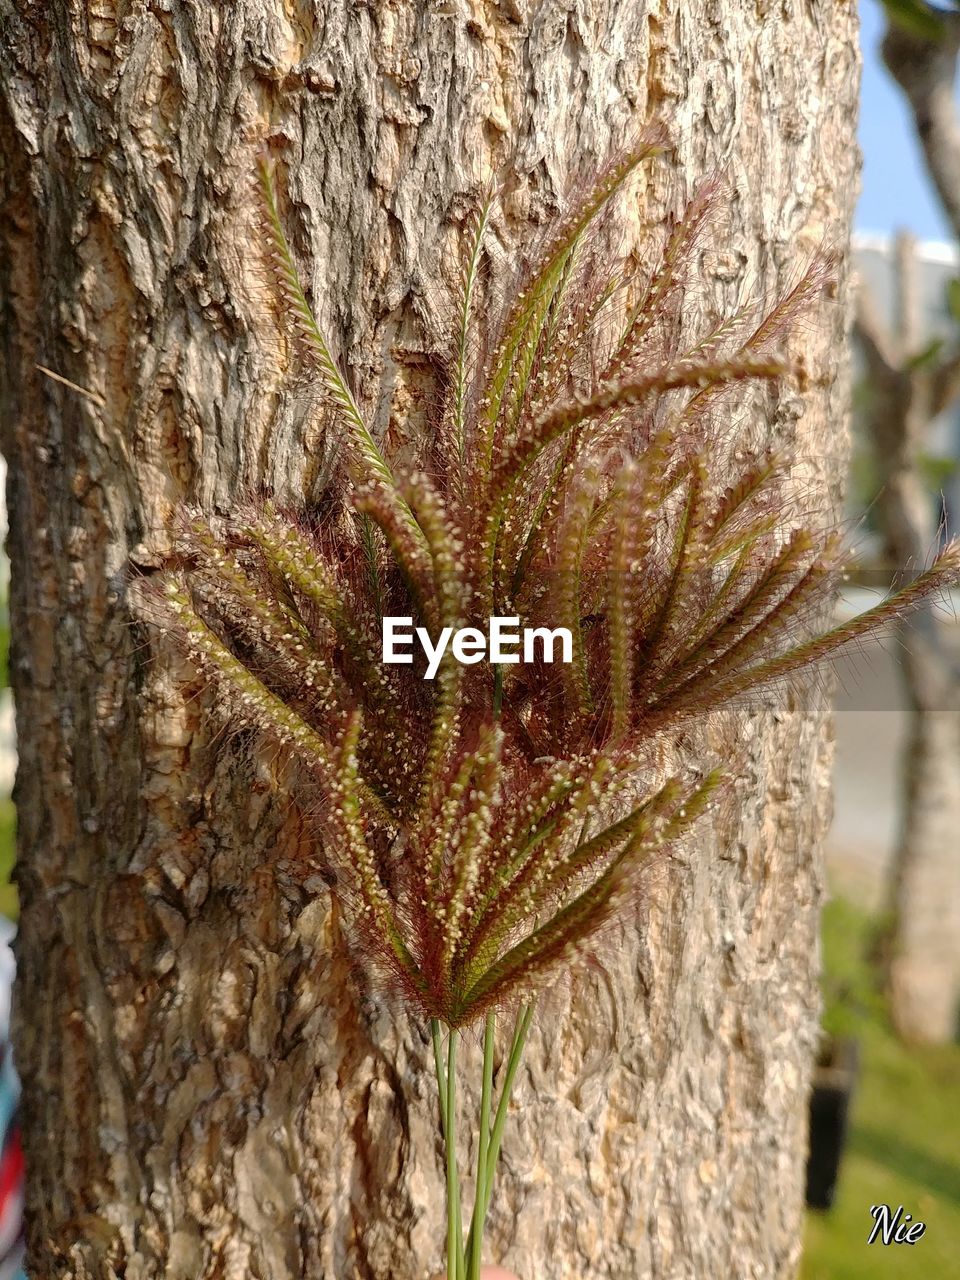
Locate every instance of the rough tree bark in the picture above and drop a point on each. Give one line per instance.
(203, 1094)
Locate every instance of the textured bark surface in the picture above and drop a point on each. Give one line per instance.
(204, 1096)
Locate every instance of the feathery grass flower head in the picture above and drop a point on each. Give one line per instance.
(481, 827)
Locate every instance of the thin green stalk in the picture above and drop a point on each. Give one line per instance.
(447, 1086)
(500, 1120)
(483, 1145)
(513, 1063)
(454, 1234)
(441, 1073)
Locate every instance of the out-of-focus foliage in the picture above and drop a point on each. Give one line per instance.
(916, 17)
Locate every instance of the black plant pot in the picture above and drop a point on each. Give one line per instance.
(833, 1082)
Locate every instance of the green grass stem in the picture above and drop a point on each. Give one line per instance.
(481, 1198)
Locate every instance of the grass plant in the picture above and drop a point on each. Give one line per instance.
(592, 468)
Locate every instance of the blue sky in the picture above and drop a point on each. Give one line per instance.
(896, 191)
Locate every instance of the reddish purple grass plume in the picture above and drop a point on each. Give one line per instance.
(481, 827)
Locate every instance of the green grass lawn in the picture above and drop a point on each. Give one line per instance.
(904, 1145)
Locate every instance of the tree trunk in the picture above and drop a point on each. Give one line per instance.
(205, 1092)
(925, 950)
(924, 969)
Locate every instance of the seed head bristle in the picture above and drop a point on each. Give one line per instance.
(483, 826)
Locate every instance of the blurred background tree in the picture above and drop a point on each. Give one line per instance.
(912, 379)
(905, 1129)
